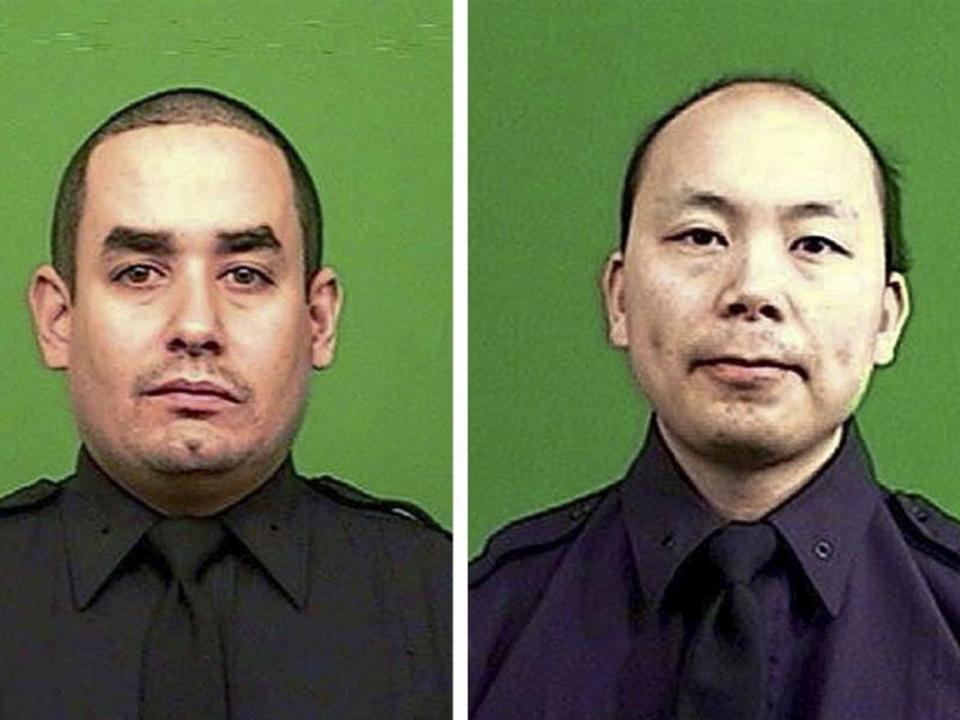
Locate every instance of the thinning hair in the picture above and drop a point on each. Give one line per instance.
(181, 106)
(896, 253)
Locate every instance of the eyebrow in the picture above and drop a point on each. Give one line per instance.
(260, 238)
(160, 243)
(709, 201)
(800, 211)
(818, 209)
(121, 239)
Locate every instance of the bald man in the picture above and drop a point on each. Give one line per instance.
(749, 565)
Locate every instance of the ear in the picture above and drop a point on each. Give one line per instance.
(50, 305)
(612, 286)
(896, 309)
(324, 300)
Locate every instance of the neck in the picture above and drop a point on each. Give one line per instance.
(748, 492)
(194, 494)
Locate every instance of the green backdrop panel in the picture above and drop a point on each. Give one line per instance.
(364, 92)
(558, 93)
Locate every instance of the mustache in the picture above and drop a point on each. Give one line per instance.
(205, 372)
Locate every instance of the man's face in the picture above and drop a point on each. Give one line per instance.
(190, 339)
(752, 296)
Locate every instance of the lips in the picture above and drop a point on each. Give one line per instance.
(759, 364)
(201, 389)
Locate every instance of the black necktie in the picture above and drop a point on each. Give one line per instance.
(183, 662)
(724, 673)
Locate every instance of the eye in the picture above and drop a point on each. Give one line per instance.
(137, 275)
(699, 238)
(818, 245)
(247, 277)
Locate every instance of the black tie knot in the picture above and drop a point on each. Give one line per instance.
(186, 544)
(740, 550)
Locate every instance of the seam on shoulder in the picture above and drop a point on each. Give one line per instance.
(348, 495)
(35, 495)
(927, 527)
(542, 531)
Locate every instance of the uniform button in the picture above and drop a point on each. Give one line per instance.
(921, 514)
(667, 540)
(823, 549)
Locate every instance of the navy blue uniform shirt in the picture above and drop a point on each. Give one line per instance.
(584, 611)
(333, 604)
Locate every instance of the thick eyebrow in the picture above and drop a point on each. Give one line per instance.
(260, 238)
(149, 242)
(121, 239)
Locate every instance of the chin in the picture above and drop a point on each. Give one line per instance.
(751, 438)
(169, 464)
(193, 455)
(741, 448)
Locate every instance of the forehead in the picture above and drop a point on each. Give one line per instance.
(187, 179)
(763, 144)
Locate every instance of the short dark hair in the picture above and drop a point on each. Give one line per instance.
(181, 106)
(895, 246)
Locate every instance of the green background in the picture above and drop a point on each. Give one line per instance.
(558, 93)
(364, 92)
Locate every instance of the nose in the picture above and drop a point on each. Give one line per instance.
(195, 328)
(756, 287)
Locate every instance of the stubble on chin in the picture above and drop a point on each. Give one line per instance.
(189, 452)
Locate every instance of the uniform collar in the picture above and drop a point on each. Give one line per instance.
(103, 524)
(272, 525)
(822, 525)
(666, 517)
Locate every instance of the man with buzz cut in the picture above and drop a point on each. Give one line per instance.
(186, 571)
(749, 566)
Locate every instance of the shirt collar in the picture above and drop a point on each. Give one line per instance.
(272, 524)
(666, 517)
(823, 524)
(103, 524)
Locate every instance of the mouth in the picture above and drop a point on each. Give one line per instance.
(742, 369)
(193, 394)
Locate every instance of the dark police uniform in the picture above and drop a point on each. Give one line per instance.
(584, 611)
(334, 605)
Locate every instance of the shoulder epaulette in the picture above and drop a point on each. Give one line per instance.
(542, 531)
(926, 525)
(39, 493)
(348, 495)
